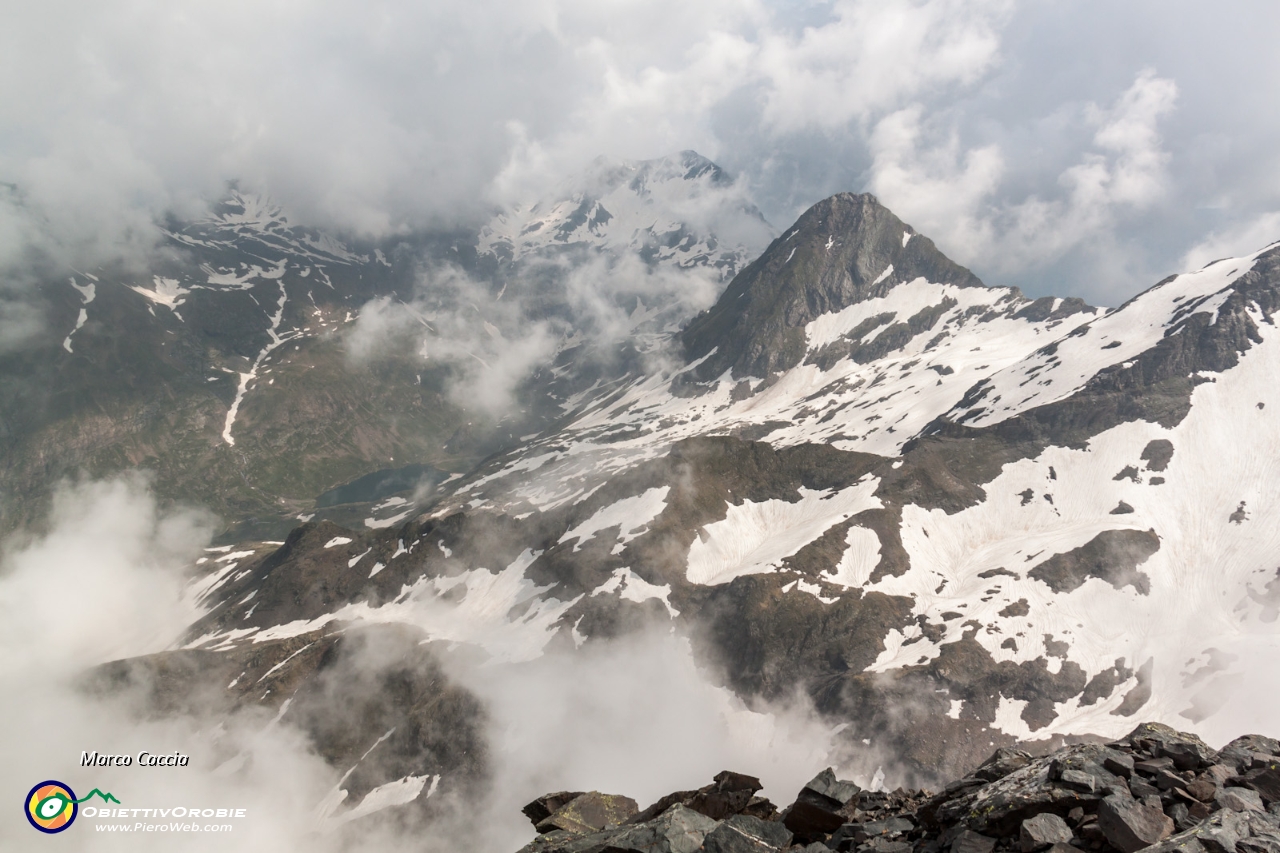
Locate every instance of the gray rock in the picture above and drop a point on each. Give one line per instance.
(546, 805)
(1239, 800)
(885, 845)
(972, 842)
(828, 785)
(1203, 789)
(1181, 814)
(1264, 823)
(746, 834)
(815, 813)
(1219, 839)
(1218, 834)
(1004, 761)
(1079, 780)
(1187, 751)
(890, 826)
(1141, 787)
(1154, 766)
(1243, 760)
(1128, 825)
(999, 808)
(589, 812)
(1260, 844)
(1119, 764)
(1219, 773)
(1167, 780)
(1041, 831)
(1266, 781)
(677, 830)
(1255, 743)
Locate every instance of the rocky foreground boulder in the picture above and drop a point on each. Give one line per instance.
(1157, 790)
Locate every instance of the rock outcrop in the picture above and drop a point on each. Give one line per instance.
(1157, 790)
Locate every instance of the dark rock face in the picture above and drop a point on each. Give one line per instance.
(817, 809)
(747, 834)
(832, 257)
(1041, 831)
(1130, 825)
(548, 804)
(584, 813)
(1113, 555)
(729, 794)
(1134, 794)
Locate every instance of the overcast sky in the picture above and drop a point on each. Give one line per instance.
(1067, 146)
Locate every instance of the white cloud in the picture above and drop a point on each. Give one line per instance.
(375, 120)
(957, 196)
(1241, 239)
(875, 55)
(107, 580)
(386, 118)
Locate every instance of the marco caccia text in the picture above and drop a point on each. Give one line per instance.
(143, 759)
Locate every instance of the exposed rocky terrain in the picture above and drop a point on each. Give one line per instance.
(1157, 790)
(950, 517)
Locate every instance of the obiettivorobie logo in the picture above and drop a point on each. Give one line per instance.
(52, 806)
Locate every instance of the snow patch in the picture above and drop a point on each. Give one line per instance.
(756, 537)
(631, 515)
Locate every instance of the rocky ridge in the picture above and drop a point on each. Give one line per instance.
(1156, 790)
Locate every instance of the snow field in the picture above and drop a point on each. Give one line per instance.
(1115, 338)
(1201, 578)
(756, 537)
(631, 516)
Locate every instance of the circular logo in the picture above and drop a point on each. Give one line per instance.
(51, 807)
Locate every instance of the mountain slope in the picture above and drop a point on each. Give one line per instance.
(226, 367)
(844, 250)
(954, 517)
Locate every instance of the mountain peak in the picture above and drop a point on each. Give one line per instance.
(681, 210)
(842, 250)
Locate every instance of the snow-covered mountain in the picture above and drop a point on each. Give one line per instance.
(682, 210)
(954, 517)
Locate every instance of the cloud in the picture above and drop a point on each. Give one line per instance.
(385, 119)
(1241, 239)
(595, 718)
(487, 345)
(956, 195)
(490, 344)
(873, 56)
(108, 578)
(378, 120)
(105, 582)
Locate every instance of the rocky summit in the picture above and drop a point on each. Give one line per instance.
(1157, 790)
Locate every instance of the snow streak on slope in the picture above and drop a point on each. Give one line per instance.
(1192, 619)
(87, 293)
(247, 218)
(1059, 370)
(276, 340)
